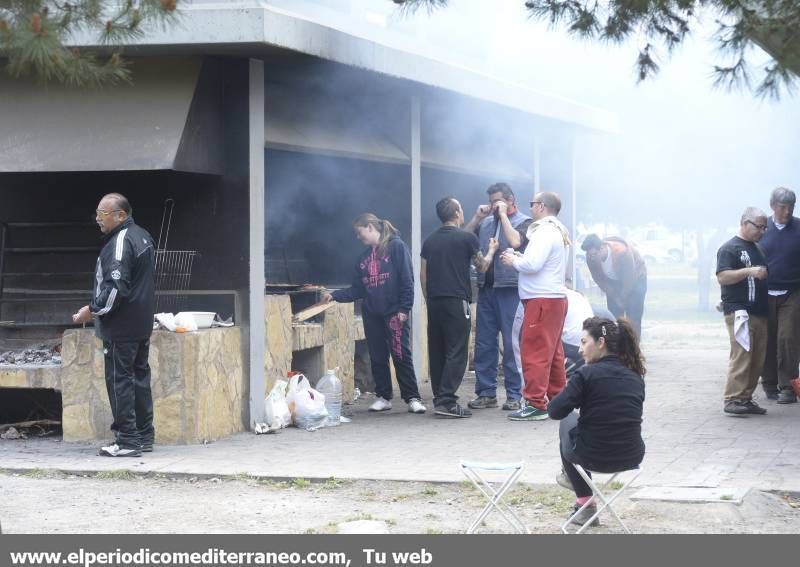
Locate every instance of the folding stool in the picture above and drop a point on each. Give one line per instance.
(599, 494)
(472, 470)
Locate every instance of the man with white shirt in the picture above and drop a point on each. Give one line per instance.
(742, 277)
(781, 246)
(541, 288)
(578, 310)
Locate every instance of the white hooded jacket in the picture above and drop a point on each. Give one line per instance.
(542, 268)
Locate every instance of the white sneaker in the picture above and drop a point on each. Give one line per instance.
(117, 451)
(415, 405)
(380, 405)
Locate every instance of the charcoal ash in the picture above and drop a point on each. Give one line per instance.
(34, 355)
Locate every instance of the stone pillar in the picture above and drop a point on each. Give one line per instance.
(338, 349)
(278, 343)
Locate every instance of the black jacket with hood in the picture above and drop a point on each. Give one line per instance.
(124, 290)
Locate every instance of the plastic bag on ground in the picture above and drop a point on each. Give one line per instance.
(297, 383)
(309, 409)
(276, 410)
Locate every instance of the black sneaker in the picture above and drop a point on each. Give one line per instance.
(453, 411)
(787, 397)
(754, 408)
(585, 514)
(771, 394)
(483, 402)
(736, 408)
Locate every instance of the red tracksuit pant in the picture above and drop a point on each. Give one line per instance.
(541, 350)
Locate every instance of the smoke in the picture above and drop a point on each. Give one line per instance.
(686, 155)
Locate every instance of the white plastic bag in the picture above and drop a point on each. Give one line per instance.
(297, 383)
(309, 409)
(166, 320)
(276, 410)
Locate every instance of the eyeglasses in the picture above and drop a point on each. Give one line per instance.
(104, 214)
(758, 226)
(536, 203)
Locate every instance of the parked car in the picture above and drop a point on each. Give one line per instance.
(659, 245)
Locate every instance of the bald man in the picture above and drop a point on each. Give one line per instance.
(122, 308)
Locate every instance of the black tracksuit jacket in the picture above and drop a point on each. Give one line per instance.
(124, 289)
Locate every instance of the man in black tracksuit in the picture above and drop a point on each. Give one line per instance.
(122, 306)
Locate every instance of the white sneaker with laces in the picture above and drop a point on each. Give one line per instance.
(380, 405)
(117, 451)
(415, 405)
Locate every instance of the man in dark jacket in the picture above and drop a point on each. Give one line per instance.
(781, 247)
(122, 306)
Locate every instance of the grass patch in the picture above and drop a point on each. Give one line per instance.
(239, 477)
(335, 483)
(117, 474)
(553, 500)
(433, 531)
(429, 491)
(300, 483)
(360, 517)
(44, 474)
(616, 485)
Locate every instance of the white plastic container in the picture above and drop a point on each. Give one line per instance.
(202, 318)
(331, 387)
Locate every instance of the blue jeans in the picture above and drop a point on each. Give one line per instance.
(496, 309)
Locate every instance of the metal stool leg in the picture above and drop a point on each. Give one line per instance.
(494, 496)
(599, 495)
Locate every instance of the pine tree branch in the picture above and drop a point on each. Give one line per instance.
(33, 35)
(772, 25)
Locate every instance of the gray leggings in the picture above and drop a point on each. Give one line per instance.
(566, 432)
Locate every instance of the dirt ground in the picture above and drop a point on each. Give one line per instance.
(119, 502)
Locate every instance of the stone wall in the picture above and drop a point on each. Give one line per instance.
(30, 376)
(199, 392)
(329, 337)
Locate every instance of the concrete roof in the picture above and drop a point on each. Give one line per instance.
(248, 26)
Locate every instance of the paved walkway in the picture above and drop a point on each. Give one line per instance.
(689, 441)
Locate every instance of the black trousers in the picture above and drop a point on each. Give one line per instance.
(448, 340)
(128, 384)
(632, 307)
(388, 336)
(566, 433)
